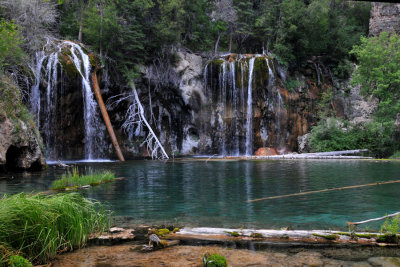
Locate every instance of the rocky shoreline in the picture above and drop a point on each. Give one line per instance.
(241, 247)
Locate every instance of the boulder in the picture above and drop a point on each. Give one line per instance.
(266, 151)
(19, 147)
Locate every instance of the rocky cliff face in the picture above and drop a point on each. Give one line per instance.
(233, 105)
(384, 17)
(20, 142)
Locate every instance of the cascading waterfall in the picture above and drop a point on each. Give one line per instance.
(92, 119)
(249, 117)
(51, 106)
(94, 136)
(245, 105)
(35, 93)
(235, 110)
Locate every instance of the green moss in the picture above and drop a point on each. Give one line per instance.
(388, 238)
(256, 235)
(94, 60)
(176, 229)
(67, 65)
(19, 261)
(162, 232)
(214, 260)
(234, 233)
(368, 236)
(218, 62)
(327, 237)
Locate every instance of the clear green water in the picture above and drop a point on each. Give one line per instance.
(215, 193)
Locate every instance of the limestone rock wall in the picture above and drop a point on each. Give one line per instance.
(384, 17)
(20, 142)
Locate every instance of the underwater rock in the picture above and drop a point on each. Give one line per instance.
(385, 261)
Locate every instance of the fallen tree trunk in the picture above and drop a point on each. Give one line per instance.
(97, 93)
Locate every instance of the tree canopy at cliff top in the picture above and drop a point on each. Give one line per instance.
(133, 31)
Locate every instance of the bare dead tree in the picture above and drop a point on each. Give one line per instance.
(225, 11)
(135, 122)
(36, 18)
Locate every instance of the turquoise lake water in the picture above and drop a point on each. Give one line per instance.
(216, 193)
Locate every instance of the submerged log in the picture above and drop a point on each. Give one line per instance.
(325, 190)
(106, 118)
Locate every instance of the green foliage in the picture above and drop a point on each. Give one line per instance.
(162, 232)
(391, 225)
(396, 155)
(75, 180)
(11, 52)
(39, 226)
(344, 69)
(332, 135)
(100, 26)
(378, 72)
(234, 233)
(19, 261)
(292, 84)
(214, 260)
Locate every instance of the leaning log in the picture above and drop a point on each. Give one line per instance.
(375, 219)
(106, 118)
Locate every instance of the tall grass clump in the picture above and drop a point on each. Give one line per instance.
(39, 226)
(74, 180)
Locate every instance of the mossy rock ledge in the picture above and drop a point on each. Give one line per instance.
(21, 147)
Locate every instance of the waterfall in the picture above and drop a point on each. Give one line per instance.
(244, 108)
(249, 117)
(35, 93)
(235, 109)
(51, 106)
(92, 119)
(223, 107)
(94, 136)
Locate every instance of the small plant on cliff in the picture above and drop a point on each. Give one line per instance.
(39, 226)
(74, 180)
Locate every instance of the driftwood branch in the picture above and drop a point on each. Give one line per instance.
(375, 219)
(325, 190)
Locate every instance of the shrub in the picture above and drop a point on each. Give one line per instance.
(39, 226)
(19, 261)
(214, 260)
(391, 225)
(335, 135)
